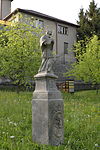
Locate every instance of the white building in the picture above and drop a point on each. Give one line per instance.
(64, 33)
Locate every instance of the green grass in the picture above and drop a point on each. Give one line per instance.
(81, 122)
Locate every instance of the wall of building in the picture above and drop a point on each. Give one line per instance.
(0, 10)
(63, 61)
(70, 38)
(59, 39)
(5, 8)
(48, 25)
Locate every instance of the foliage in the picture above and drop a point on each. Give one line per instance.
(89, 22)
(19, 52)
(81, 122)
(87, 68)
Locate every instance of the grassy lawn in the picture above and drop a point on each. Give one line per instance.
(81, 122)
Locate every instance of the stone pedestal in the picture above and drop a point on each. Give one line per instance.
(47, 111)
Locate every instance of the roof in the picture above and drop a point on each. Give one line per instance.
(4, 22)
(38, 14)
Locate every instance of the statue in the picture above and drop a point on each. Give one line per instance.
(47, 103)
(46, 44)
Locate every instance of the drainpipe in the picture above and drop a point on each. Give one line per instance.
(0, 9)
(56, 40)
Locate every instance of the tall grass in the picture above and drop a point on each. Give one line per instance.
(81, 122)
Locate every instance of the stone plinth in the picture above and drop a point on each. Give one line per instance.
(47, 111)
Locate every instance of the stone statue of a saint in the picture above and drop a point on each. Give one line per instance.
(46, 44)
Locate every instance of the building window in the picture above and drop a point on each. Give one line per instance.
(65, 48)
(39, 23)
(62, 30)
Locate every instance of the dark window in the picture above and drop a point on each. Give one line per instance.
(66, 30)
(65, 48)
(62, 30)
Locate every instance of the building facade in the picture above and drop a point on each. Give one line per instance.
(64, 33)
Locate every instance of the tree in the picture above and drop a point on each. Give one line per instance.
(87, 68)
(19, 53)
(89, 22)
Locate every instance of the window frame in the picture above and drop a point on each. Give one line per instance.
(62, 29)
(65, 49)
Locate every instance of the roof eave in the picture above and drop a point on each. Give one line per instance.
(12, 13)
(39, 15)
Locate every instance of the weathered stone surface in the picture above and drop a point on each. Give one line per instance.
(46, 44)
(47, 111)
(40, 121)
(56, 130)
(47, 104)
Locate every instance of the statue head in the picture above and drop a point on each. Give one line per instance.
(49, 32)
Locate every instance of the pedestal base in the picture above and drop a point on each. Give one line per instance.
(47, 112)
